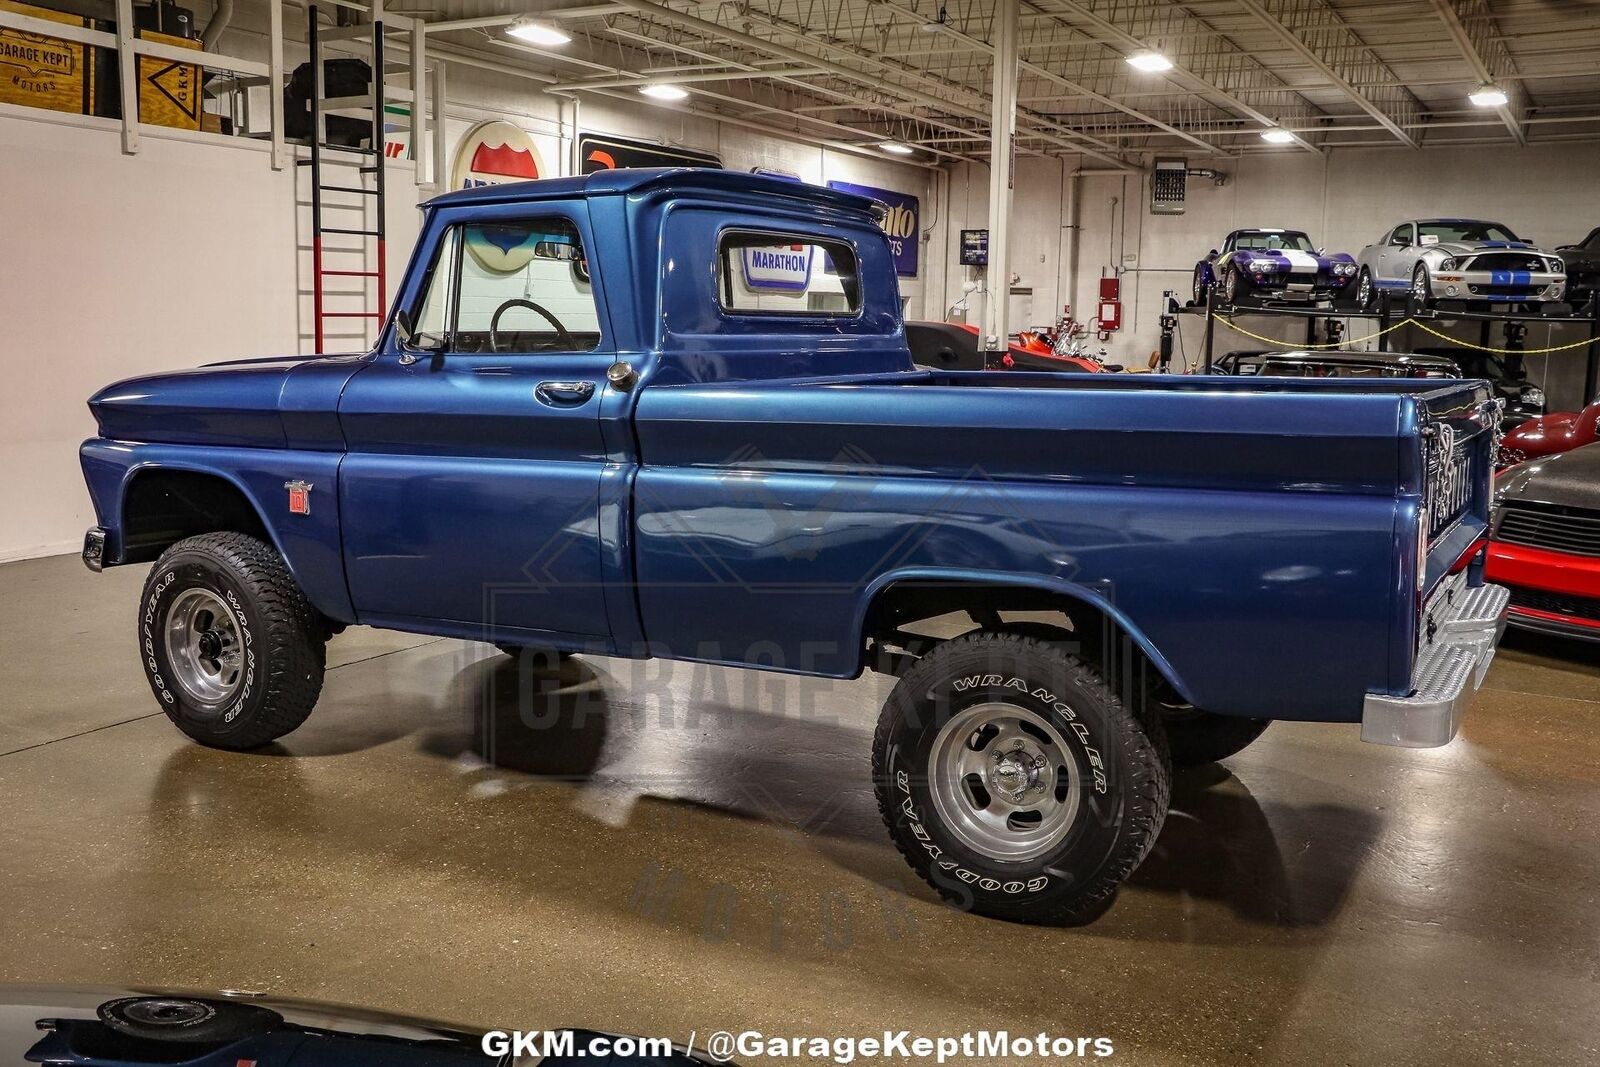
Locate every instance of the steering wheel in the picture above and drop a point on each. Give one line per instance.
(563, 335)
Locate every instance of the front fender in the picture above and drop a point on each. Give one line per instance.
(1044, 583)
(309, 544)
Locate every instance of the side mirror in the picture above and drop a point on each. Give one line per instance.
(1213, 251)
(403, 327)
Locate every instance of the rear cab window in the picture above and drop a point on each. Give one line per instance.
(779, 273)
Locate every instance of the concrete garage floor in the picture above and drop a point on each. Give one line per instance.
(707, 855)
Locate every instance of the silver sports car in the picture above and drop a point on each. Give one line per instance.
(1459, 259)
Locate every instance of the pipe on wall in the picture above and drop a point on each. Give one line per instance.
(221, 15)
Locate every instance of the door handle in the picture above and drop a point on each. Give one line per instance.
(563, 394)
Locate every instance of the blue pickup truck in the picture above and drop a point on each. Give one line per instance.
(673, 414)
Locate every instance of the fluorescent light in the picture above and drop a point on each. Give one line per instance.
(1150, 62)
(663, 91)
(1277, 136)
(897, 148)
(1487, 95)
(539, 33)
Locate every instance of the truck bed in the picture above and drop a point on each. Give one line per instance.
(1198, 511)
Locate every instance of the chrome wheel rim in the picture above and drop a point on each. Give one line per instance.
(1364, 290)
(1003, 781)
(1419, 286)
(204, 649)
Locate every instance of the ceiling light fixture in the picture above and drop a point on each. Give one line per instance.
(897, 148)
(663, 91)
(1149, 61)
(1487, 95)
(1276, 136)
(534, 32)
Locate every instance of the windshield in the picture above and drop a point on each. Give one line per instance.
(1284, 239)
(1432, 233)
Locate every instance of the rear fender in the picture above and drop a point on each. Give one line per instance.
(309, 544)
(1066, 590)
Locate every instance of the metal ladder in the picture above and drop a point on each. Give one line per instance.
(363, 161)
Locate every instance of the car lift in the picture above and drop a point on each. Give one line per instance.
(1391, 312)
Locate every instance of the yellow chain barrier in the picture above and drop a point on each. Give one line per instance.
(1230, 324)
(1289, 344)
(1504, 351)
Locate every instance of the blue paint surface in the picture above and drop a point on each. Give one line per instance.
(762, 482)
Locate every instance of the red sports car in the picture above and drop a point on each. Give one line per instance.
(1545, 542)
(1547, 435)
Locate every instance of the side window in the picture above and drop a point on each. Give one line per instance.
(1401, 235)
(765, 273)
(515, 286)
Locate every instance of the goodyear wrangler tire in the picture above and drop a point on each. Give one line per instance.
(1015, 782)
(232, 649)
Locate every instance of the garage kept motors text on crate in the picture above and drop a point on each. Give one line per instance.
(37, 70)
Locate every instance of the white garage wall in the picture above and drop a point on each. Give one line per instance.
(1344, 199)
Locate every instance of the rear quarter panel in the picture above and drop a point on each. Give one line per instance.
(1250, 540)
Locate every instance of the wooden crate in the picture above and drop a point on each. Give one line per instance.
(169, 92)
(41, 71)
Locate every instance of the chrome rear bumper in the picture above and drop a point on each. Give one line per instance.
(1466, 624)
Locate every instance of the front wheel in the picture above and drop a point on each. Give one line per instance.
(1366, 292)
(1201, 289)
(231, 647)
(1015, 782)
(1232, 287)
(1421, 287)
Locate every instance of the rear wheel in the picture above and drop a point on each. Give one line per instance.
(1015, 782)
(233, 650)
(1201, 289)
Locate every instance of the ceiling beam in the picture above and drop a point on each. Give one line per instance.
(1472, 26)
(851, 101)
(1316, 32)
(1186, 62)
(1049, 75)
(625, 80)
(715, 30)
(977, 104)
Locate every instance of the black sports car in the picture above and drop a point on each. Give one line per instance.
(1523, 399)
(121, 1028)
(1329, 363)
(1583, 269)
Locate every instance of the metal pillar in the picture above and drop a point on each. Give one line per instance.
(1002, 173)
(1591, 385)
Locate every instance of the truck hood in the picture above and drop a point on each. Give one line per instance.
(237, 403)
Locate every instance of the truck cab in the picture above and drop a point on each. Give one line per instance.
(674, 414)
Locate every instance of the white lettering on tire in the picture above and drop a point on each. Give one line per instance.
(245, 636)
(914, 817)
